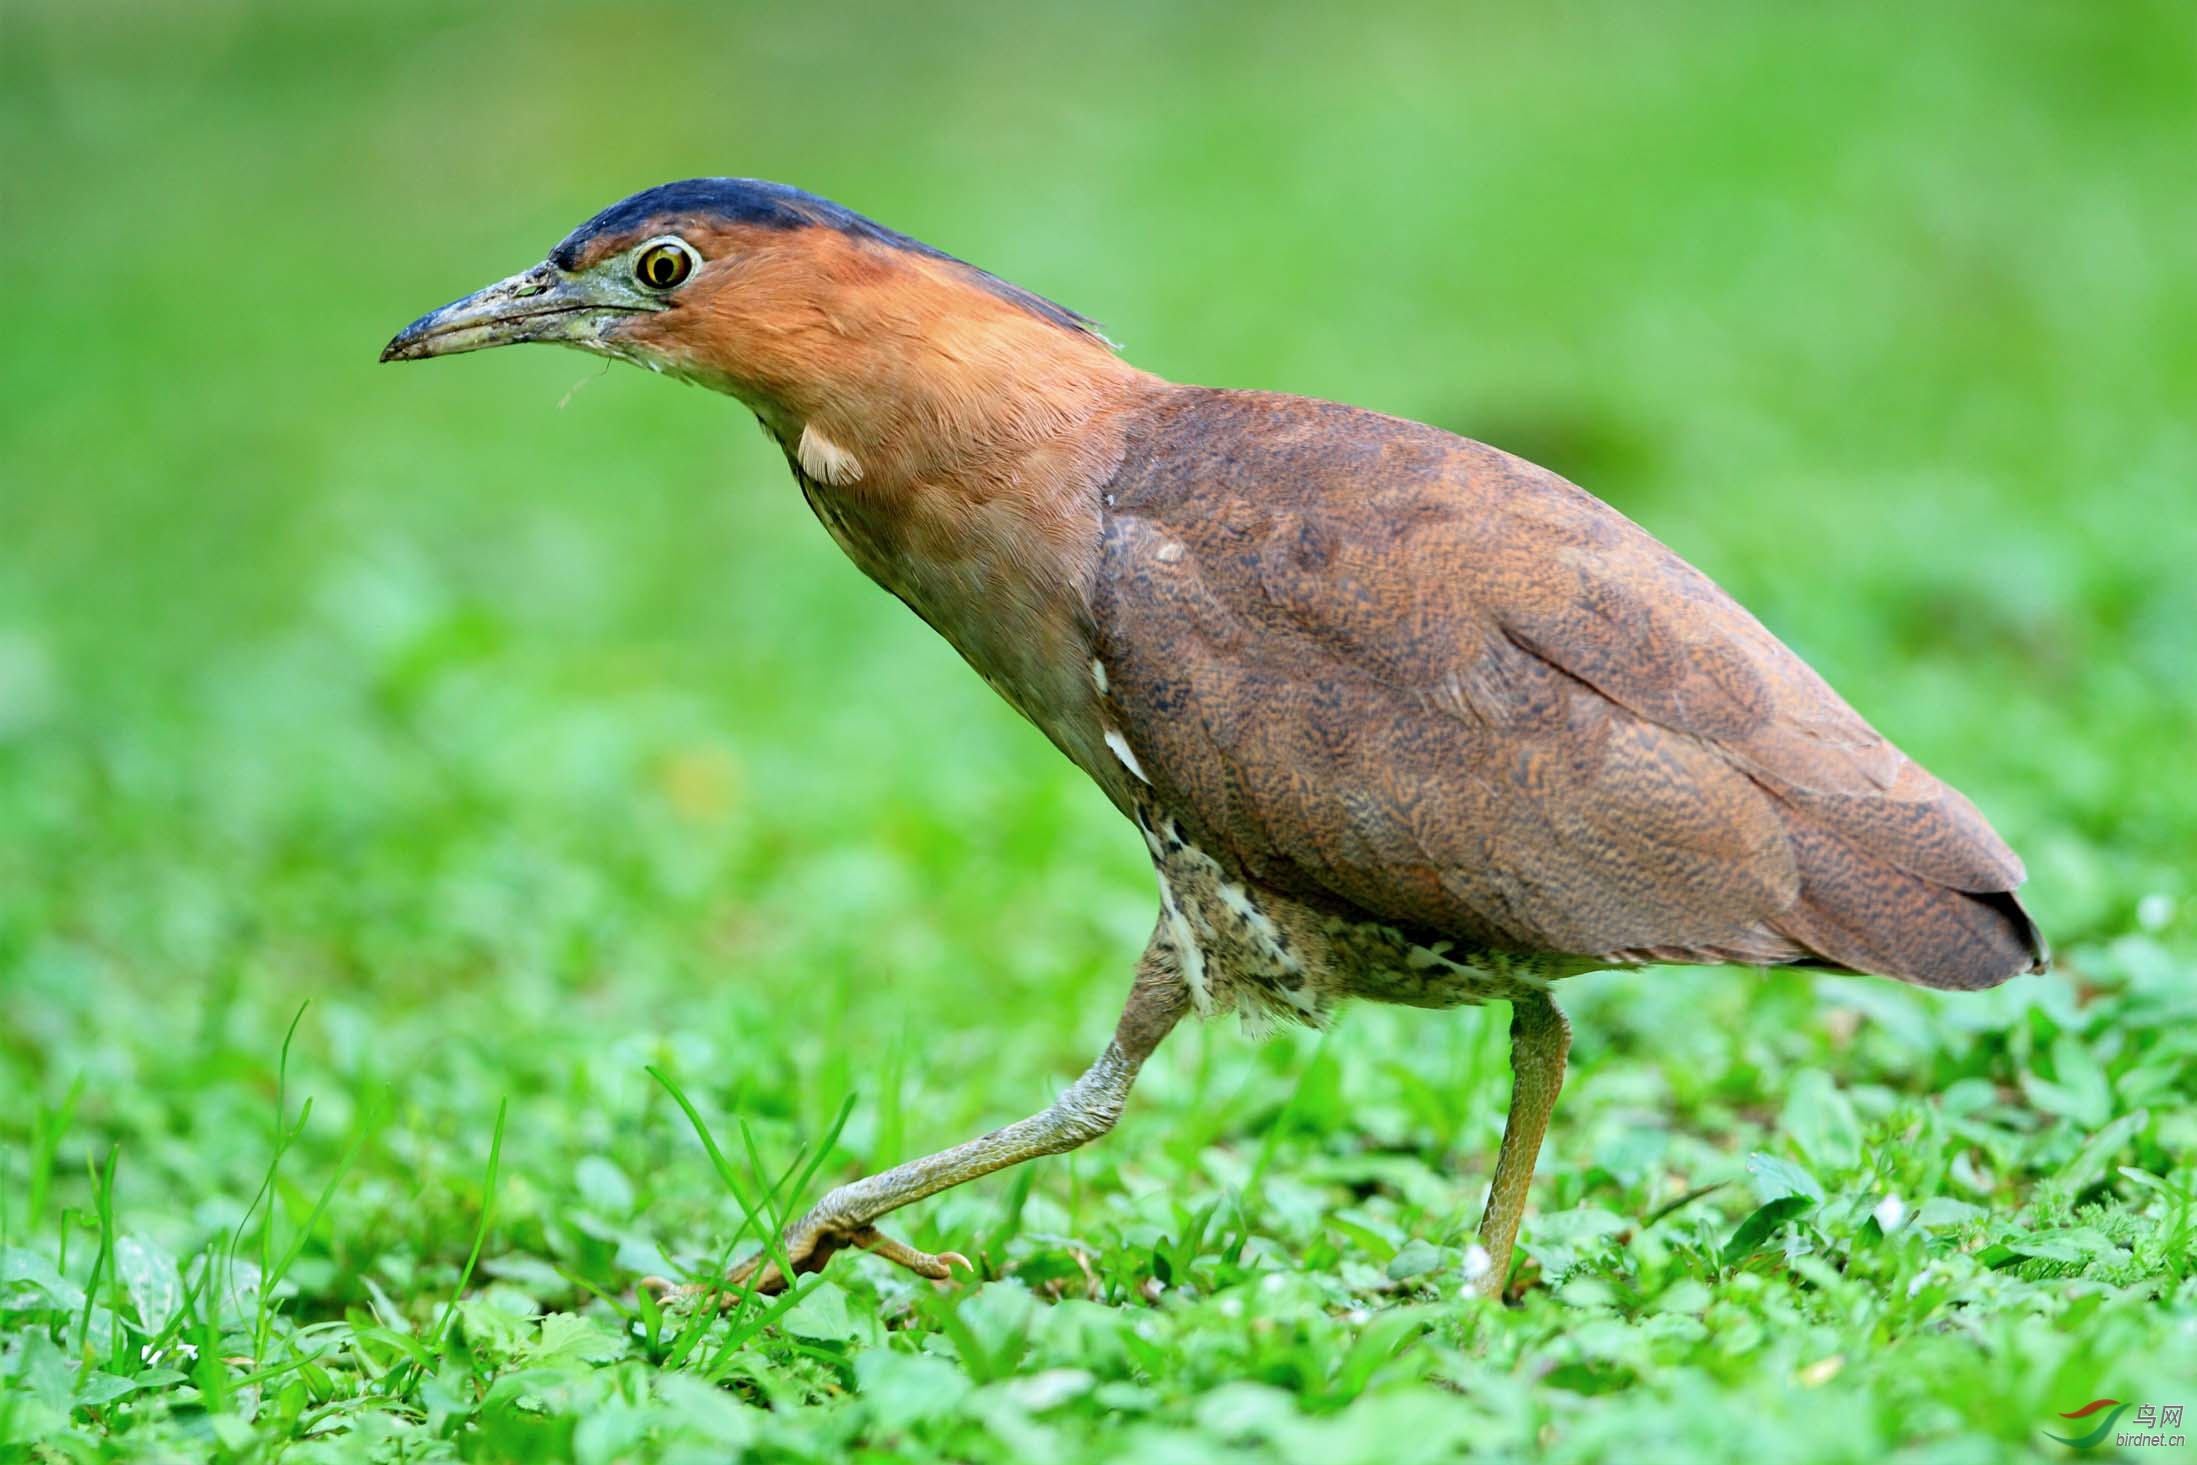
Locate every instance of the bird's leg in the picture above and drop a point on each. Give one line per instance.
(1085, 1111)
(1539, 1040)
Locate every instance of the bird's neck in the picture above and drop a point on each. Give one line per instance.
(977, 497)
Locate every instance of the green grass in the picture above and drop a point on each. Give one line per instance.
(398, 772)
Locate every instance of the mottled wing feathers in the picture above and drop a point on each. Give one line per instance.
(1381, 665)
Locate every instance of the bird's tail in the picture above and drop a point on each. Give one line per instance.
(1859, 911)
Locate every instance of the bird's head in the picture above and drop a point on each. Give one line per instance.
(806, 311)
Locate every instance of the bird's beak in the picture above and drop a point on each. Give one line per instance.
(540, 304)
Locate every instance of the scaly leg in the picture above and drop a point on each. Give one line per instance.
(1087, 1110)
(1539, 1040)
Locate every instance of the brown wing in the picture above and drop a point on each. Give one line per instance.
(1374, 662)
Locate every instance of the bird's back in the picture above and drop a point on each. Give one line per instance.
(1376, 666)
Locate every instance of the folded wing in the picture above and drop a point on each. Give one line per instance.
(1379, 664)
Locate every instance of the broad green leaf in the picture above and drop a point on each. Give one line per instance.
(2078, 1090)
(154, 1283)
(603, 1186)
(1774, 1177)
(821, 1315)
(902, 1388)
(1759, 1227)
(96, 1388)
(28, 1281)
(2090, 1162)
(1821, 1120)
(2073, 1244)
(567, 1341)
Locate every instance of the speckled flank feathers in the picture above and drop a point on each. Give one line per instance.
(1275, 959)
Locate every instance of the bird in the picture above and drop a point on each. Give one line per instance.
(1399, 717)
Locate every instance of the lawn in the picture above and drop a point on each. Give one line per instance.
(463, 827)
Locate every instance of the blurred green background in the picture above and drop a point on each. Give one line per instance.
(513, 711)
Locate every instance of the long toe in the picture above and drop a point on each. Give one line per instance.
(938, 1266)
(807, 1250)
(719, 1295)
(768, 1281)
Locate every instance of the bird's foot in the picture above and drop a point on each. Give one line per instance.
(807, 1249)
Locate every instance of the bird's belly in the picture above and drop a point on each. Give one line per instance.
(1272, 958)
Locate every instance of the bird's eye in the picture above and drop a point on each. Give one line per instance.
(664, 265)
